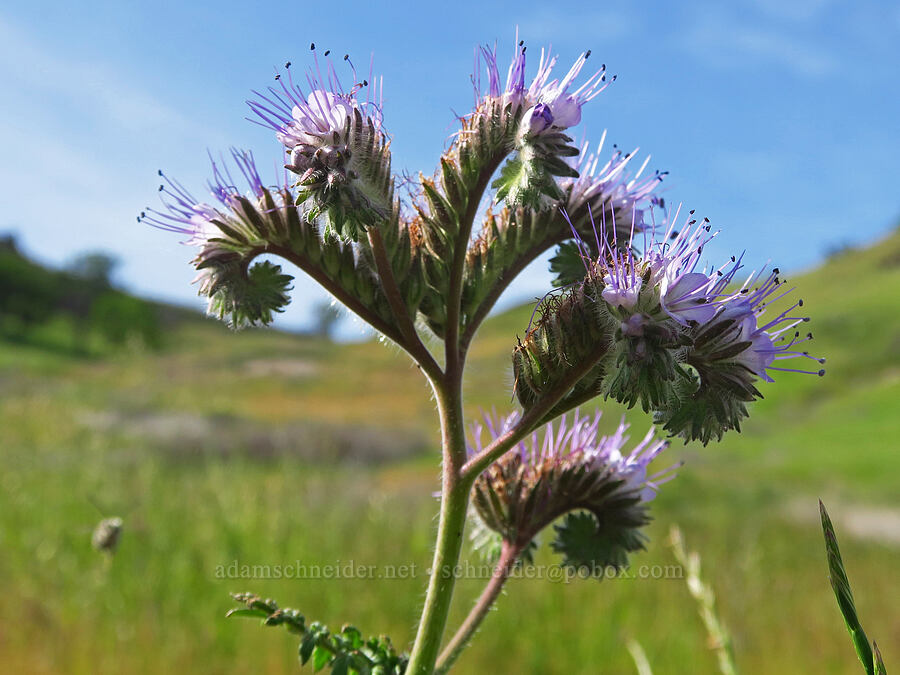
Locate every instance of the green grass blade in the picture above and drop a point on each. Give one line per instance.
(841, 585)
(879, 664)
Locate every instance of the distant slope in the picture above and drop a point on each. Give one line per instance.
(842, 427)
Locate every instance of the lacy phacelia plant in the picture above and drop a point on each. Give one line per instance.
(635, 317)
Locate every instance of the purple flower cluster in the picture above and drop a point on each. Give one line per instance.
(578, 444)
(666, 282)
(312, 123)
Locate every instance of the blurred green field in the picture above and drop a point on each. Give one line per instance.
(180, 444)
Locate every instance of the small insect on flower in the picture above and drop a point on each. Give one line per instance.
(106, 535)
(573, 470)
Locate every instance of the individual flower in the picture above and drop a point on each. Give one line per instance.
(545, 103)
(767, 341)
(570, 468)
(199, 220)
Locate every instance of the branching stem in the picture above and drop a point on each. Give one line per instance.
(533, 416)
(504, 567)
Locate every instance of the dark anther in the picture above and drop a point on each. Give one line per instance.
(733, 259)
(278, 77)
(800, 303)
(776, 271)
(312, 45)
(161, 187)
(365, 83)
(521, 42)
(159, 172)
(287, 65)
(346, 57)
(692, 211)
(327, 52)
(821, 372)
(587, 53)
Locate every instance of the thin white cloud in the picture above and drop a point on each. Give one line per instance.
(592, 27)
(84, 85)
(731, 42)
(793, 10)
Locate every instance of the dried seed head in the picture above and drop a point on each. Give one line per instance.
(106, 535)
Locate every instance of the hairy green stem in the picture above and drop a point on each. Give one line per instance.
(454, 503)
(505, 565)
(455, 486)
(412, 342)
(454, 355)
(533, 417)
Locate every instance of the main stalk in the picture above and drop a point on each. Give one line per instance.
(451, 526)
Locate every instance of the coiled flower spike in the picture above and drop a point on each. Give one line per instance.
(682, 340)
(225, 233)
(571, 470)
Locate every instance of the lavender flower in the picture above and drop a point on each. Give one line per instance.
(201, 221)
(571, 468)
(546, 103)
(609, 185)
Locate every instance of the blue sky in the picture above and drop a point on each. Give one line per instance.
(777, 119)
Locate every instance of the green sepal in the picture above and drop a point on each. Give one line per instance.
(247, 298)
(593, 546)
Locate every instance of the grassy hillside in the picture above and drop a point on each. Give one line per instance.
(258, 448)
